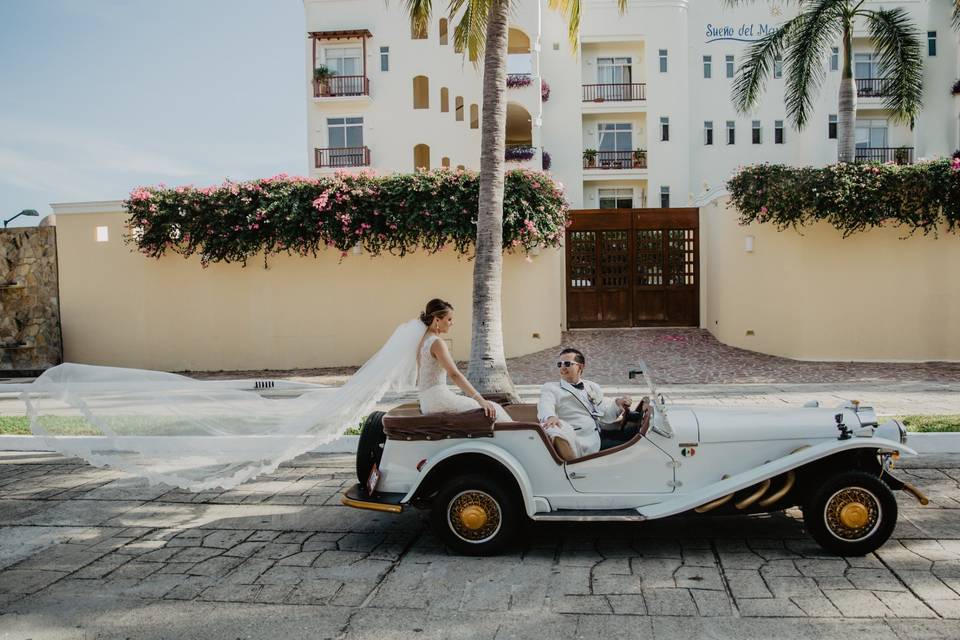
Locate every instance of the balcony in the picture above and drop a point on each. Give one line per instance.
(873, 87)
(341, 86)
(614, 159)
(628, 92)
(895, 155)
(342, 157)
(516, 80)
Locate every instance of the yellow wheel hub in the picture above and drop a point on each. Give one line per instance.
(854, 515)
(473, 517)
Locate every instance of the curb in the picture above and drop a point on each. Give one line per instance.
(922, 443)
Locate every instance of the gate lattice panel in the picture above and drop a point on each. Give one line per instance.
(633, 268)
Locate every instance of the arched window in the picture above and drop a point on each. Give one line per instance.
(474, 117)
(459, 106)
(444, 100)
(445, 162)
(417, 32)
(421, 157)
(443, 31)
(421, 92)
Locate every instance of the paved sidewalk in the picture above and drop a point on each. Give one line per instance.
(86, 552)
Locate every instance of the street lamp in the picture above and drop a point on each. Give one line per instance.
(25, 212)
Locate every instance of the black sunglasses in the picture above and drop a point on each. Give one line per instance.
(566, 363)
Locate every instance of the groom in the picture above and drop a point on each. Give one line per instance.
(574, 413)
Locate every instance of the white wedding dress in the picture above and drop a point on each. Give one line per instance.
(435, 396)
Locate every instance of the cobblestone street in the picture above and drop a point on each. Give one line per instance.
(86, 552)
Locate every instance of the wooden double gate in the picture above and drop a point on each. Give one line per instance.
(633, 268)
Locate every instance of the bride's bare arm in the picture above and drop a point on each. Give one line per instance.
(439, 351)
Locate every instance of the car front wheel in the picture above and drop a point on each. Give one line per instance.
(475, 515)
(851, 514)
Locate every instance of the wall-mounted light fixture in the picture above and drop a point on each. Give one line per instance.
(103, 234)
(748, 244)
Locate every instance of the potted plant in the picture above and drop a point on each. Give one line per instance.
(590, 157)
(544, 90)
(640, 158)
(901, 155)
(320, 77)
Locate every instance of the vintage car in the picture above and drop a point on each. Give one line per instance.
(482, 480)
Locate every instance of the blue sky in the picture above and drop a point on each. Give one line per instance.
(100, 96)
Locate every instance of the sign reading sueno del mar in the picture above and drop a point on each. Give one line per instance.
(746, 32)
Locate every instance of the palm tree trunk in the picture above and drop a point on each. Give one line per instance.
(847, 110)
(488, 364)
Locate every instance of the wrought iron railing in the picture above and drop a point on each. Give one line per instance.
(614, 92)
(873, 87)
(342, 157)
(897, 155)
(341, 86)
(614, 159)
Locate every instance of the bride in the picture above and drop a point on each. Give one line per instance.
(202, 435)
(434, 363)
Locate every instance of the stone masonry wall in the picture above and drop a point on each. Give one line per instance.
(30, 337)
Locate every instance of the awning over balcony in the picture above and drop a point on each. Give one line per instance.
(344, 34)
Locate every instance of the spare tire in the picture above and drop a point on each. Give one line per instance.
(370, 446)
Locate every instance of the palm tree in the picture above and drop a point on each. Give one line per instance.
(481, 30)
(802, 43)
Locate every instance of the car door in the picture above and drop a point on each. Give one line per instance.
(641, 468)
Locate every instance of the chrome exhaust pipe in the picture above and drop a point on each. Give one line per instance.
(756, 495)
(784, 490)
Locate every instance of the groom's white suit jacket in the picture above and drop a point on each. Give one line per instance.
(575, 407)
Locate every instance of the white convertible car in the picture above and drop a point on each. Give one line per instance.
(481, 480)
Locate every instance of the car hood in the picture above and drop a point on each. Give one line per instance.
(736, 424)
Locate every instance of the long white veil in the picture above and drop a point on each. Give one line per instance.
(196, 434)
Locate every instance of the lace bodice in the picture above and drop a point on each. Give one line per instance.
(431, 373)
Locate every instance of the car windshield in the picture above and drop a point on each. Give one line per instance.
(660, 422)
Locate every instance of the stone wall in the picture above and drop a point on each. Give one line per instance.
(30, 338)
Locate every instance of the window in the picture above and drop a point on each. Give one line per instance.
(344, 133)
(665, 197)
(834, 58)
(103, 234)
(421, 157)
(443, 31)
(865, 65)
(615, 198)
(708, 132)
(444, 100)
(778, 132)
(459, 108)
(474, 117)
(707, 66)
(418, 31)
(755, 132)
(665, 128)
(832, 126)
(445, 162)
(663, 60)
(421, 92)
(731, 67)
(778, 66)
(344, 61)
(384, 58)
(617, 72)
(931, 43)
(731, 132)
(345, 139)
(615, 137)
(871, 134)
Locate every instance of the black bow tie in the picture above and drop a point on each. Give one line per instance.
(579, 385)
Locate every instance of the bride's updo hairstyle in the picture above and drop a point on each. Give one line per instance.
(436, 308)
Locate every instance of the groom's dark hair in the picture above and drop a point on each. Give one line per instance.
(577, 353)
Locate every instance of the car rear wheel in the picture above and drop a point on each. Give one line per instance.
(370, 446)
(851, 514)
(475, 515)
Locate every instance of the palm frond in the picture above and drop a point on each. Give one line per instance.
(956, 14)
(470, 32)
(419, 12)
(813, 32)
(898, 47)
(571, 11)
(758, 63)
